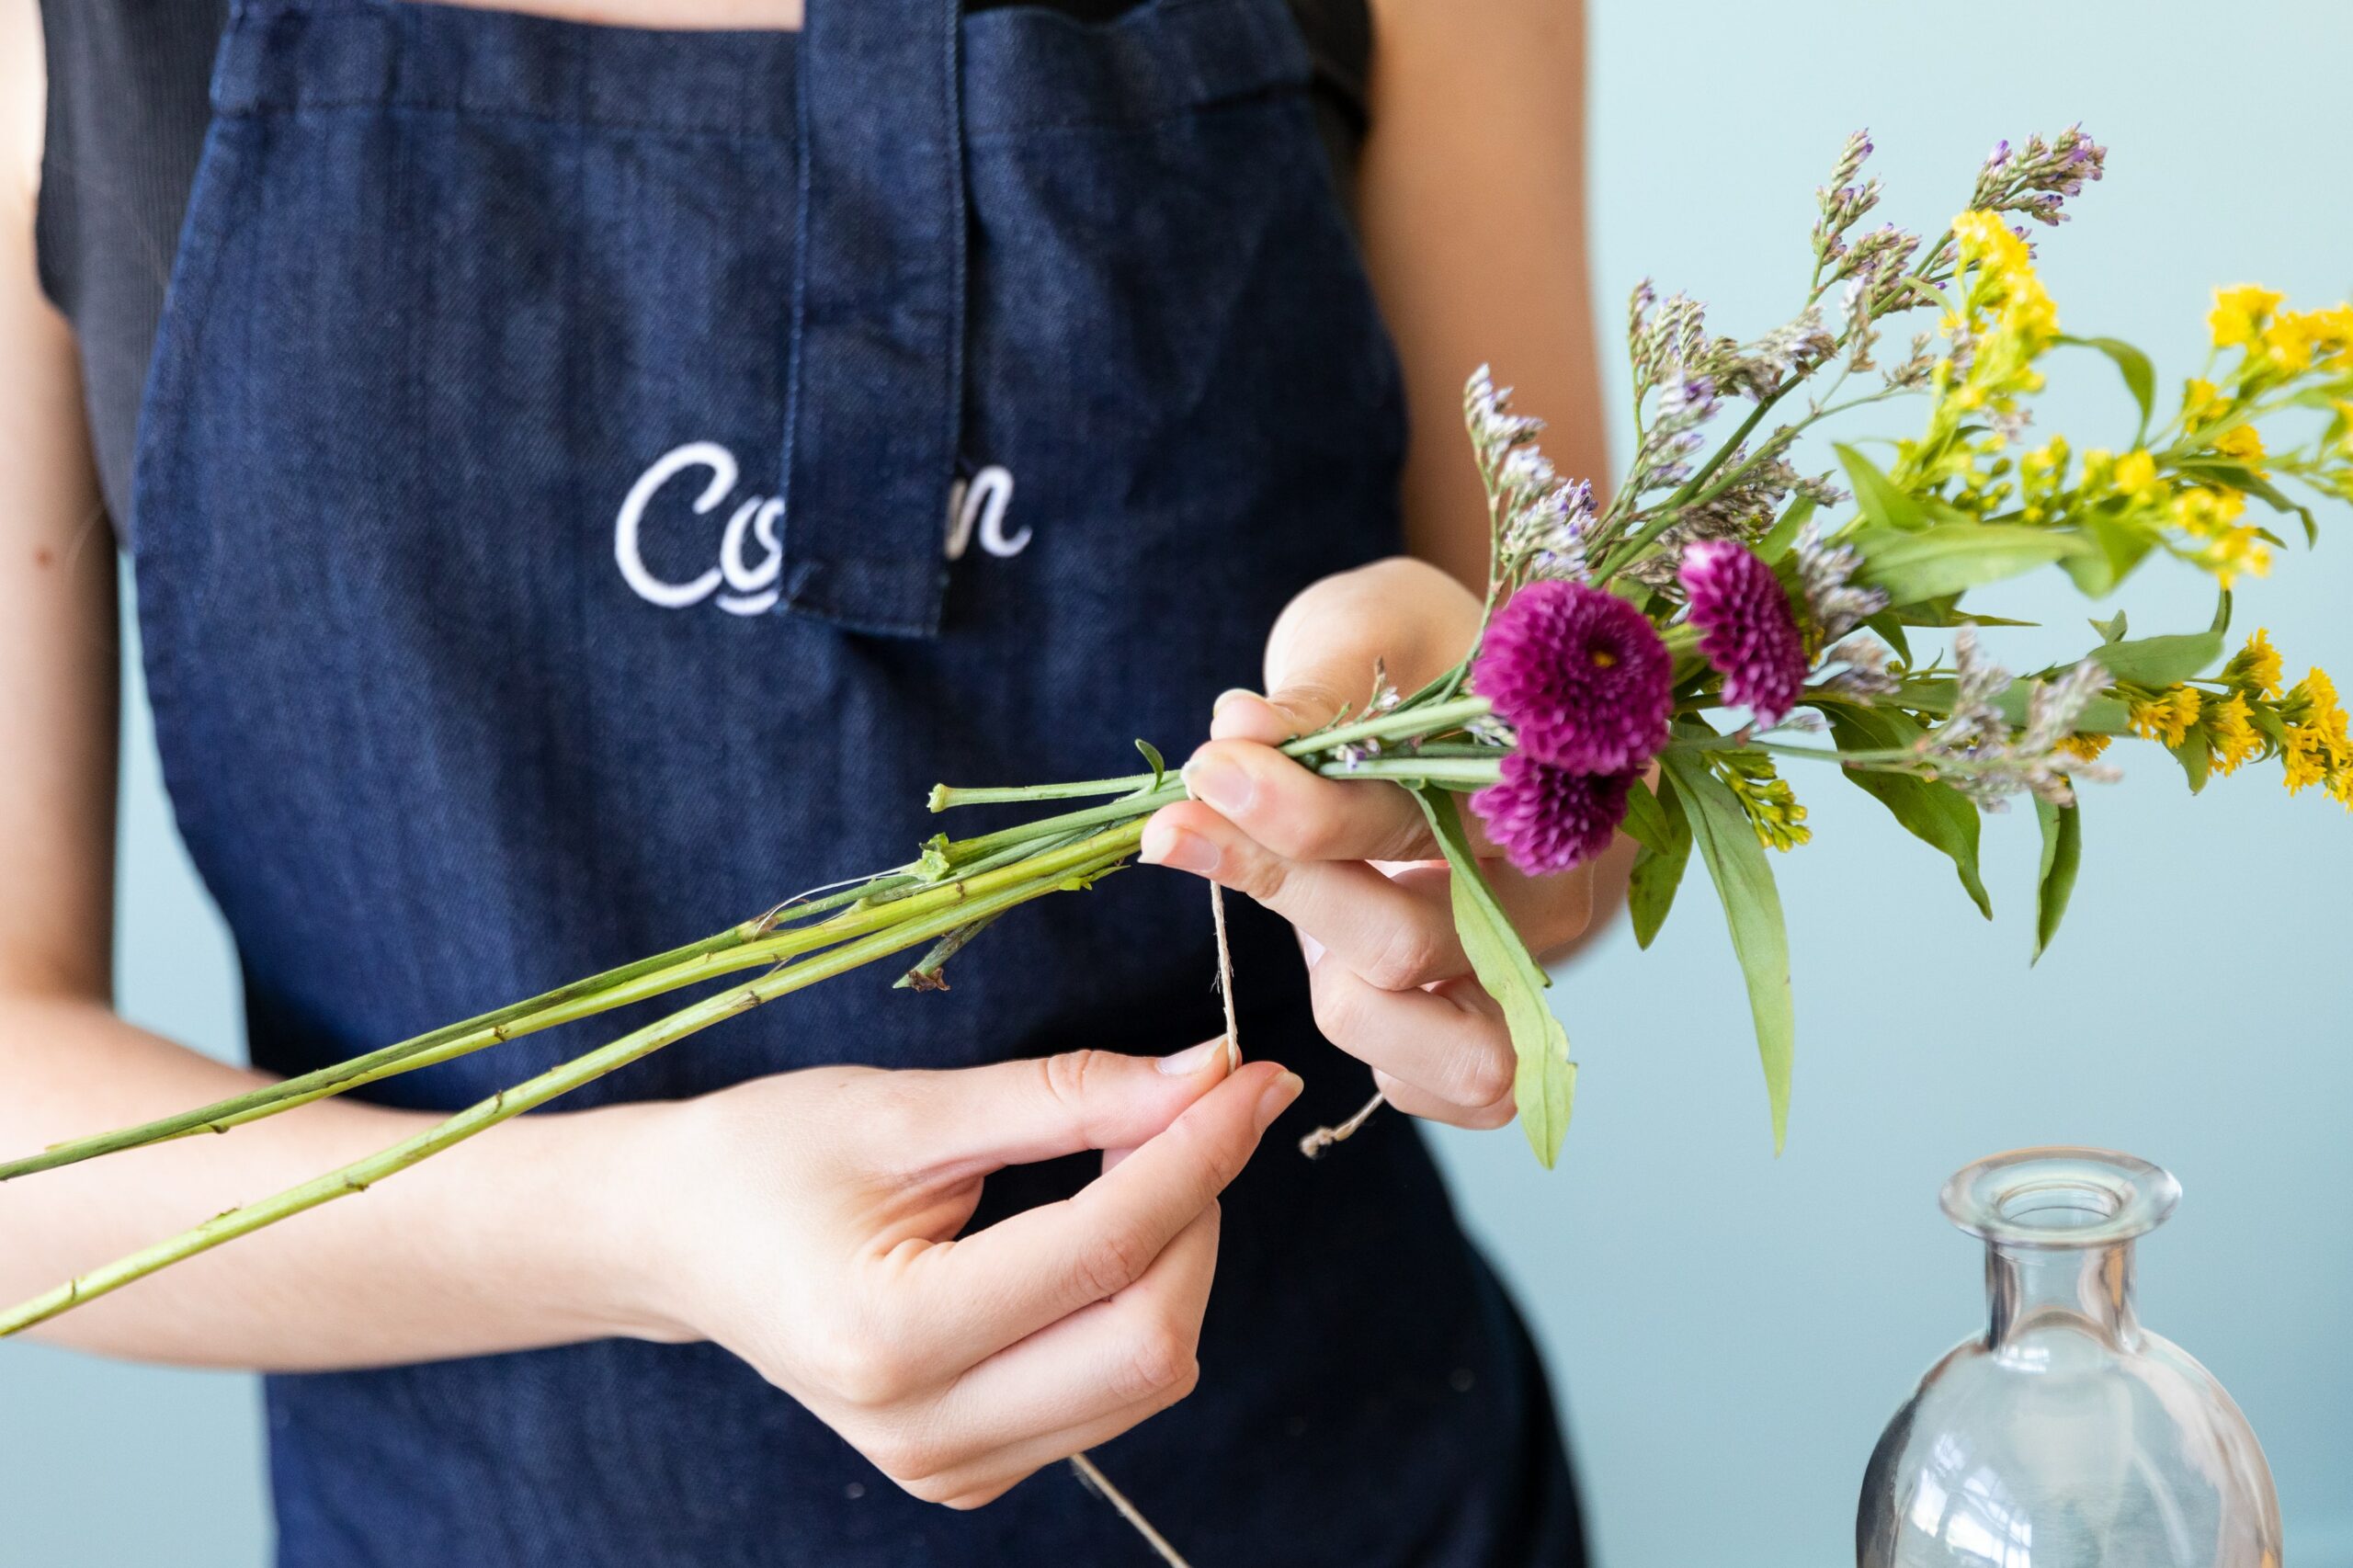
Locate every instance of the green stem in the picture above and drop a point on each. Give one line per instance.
(1428, 721)
(740, 947)
(945, 797)
(960, 851)
(1436, 770)
(360, 1175)
(576, 1000)
(925, 975)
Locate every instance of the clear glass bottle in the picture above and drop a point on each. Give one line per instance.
(2067, 1435)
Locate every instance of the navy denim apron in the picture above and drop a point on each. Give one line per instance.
(593, 482)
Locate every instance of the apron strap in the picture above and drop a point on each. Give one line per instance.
(874, 400)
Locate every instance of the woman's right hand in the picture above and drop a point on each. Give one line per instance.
(809, 1222)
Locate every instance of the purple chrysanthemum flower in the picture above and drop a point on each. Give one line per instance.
(1580, 674)
(1548, 819)
(1745, 628)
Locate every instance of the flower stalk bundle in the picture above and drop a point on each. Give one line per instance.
(1649, 660)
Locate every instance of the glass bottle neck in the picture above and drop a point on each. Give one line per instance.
(2088, 1289)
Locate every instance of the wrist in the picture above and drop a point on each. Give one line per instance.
(606, 1229)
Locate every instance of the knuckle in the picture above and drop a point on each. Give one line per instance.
(1307, 831)
(979, 1498)
(866, 1370)
(1482, 1075)
(1486, 1118)
(1066, 1080)
(1337, 1002)
(1408, 956)
(915, 1460)
(1260, 876)
(1111, 1263)
(1161, 1361)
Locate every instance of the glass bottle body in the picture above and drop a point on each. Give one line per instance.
(2066, 1436)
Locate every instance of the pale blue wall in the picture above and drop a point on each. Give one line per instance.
(1732, 1329)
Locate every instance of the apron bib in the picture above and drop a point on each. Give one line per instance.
(593, 482)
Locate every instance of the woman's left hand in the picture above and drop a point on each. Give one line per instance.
(1349, 863)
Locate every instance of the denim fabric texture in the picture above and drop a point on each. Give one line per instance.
(453, 285)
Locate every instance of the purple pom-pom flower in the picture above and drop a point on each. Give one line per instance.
(1747, 630)
(1580, 674)
(1547, 819)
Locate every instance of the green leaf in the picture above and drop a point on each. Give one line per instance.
(1547, 1081)
(2063, 853)
(1925, 565)
(1947, 611)
(1937, 814)
(1753, 910)
(2160, 661)
(1152, 756)
(2194, 757)
(2140, 376)
(1883, 505)
(1645, 821)
(1891, 631)
(1658, 869)
(2113, 549)
(1784, 534)
(2112, 629)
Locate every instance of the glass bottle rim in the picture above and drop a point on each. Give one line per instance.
(2060, 1196)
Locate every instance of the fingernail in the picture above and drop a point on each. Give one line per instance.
(1178, 850)
(1228, 695)
(1221, 784)
(1276, 1097)
(1192, 1059)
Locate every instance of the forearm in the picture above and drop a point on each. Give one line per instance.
(1470, 201)
(519, 1238)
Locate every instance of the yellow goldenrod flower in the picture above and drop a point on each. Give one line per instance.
(2086, 747)
(2136, 478)
(2240, 313)
(2166, 717)
(2201, 403)
(2334, 335)
(2042, 474)
(2228, 732)
(2318, 750)
(2240, 443)
(2226, 547)
(2298, 338)
(2255, 667)
(2304, 761)
(1772, 808)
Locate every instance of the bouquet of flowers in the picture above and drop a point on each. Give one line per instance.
(1649, 659)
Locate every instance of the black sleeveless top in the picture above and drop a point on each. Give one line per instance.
(126, 113)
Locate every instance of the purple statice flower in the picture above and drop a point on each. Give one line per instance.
(1548, 819)
(1745, 628)
(2038, 178)
(1580, 674)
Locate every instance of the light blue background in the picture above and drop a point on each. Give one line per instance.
(1731, 1329)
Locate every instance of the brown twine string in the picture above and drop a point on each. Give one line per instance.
(1088, 1475)
(1096, 1481)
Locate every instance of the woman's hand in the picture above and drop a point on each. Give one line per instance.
(1391, 983)
(809, 1223)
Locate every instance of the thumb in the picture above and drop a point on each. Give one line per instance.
(1329, 642)
(1017, 1113)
